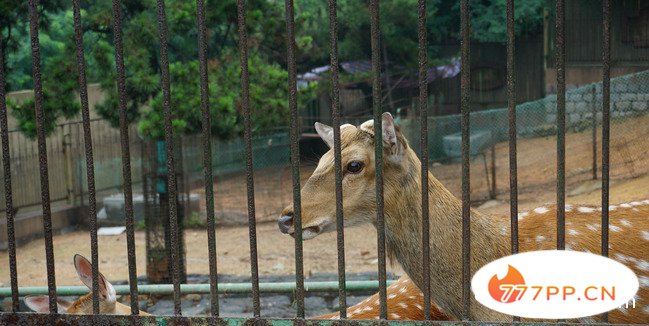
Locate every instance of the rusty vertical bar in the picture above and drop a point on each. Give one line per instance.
(423, 139)
(295, 155)
(335, 113)
(42, 154)
(126, 154)
(9, 203)
(169, 144)
(594, 131)
(247, 135)
(207, 155)
(465, 108)
(511, 106)
(606, 123)
(493, 171)
(378, 150)
(561, 122)
(90, 165)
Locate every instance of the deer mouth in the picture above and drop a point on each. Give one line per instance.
(309, 232)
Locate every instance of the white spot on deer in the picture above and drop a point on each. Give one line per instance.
(368, 308)
(403, 305)
(643, 265)
(592, 227)
(335, 317)
(377, 302)
(350, 315)
(644, 281)
(623, 258)
(403, 289)
(419, 306)
(541, 210)
(612, 208)
(568, 208)
(625, 222)
(392, 296)
(635, 203)
(503, 230)
(614, 228)
(540, 238)
(573, 232)
(645, 235)
(625, 205)
(646, 201)
(395, 316)
(585, 209)
(412, 297)
(522, 215)
(356, 311)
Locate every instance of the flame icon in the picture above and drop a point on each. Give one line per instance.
(504, 290)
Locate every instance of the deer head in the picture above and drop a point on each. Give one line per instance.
(107, 297)
(358, 167)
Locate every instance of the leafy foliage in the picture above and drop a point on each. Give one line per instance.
(265, 26)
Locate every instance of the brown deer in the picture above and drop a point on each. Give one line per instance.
(107, 297)
(405, 302)
(629, 226)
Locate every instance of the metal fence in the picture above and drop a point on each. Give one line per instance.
(16, 317)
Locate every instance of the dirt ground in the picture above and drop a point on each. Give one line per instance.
(536, 174)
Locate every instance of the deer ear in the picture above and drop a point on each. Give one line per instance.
(390, 138)
(84, 269)
(326, 133)
(41, 303)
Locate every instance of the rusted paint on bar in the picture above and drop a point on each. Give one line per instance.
(465, 108)
(594, 130)
(6, 169)
(90, 165)
(561, 123)
(511, 106)
(207, 156)
(169, 144)
(295, 155)
(42, 153)
(335, 113)
(378, 150)
(126, 154)
(606, 124)
(423, 139)
(247, 135)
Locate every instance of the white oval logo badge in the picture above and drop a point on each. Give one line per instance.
(554, 284)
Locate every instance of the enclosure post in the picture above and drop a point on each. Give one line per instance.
(67, 154)
(594, 107)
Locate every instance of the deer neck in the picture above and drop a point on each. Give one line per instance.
(403, 217)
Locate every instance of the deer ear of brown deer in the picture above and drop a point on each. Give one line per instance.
(41, 303)
(390, 138)
(326, 133)
(84, 269)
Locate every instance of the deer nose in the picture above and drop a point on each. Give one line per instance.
(285, 222)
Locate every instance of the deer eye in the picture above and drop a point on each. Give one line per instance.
(354, 166)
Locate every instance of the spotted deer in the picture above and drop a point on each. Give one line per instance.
(405, 302)
(107, 297)
(629, 223)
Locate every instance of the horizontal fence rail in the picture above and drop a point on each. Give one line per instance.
(465, 312)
